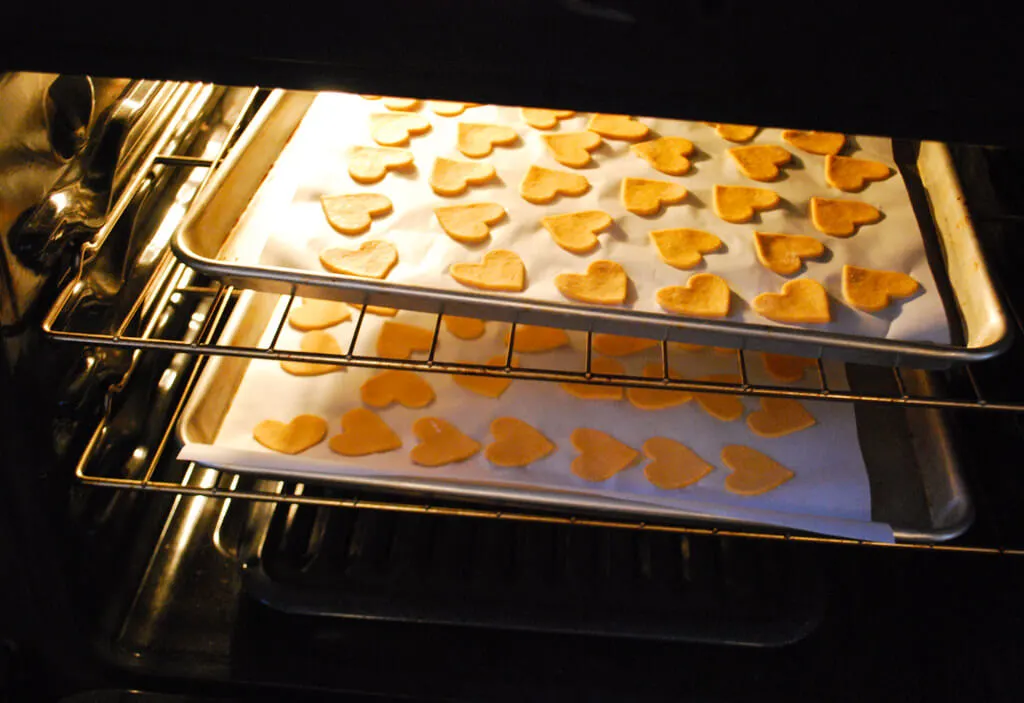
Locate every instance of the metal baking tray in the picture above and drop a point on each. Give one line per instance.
(911, 462)
(979, 327)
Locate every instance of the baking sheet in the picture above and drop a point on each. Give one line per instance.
(830, 493)
(287, 228)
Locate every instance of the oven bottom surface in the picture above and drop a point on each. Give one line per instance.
(894, 623)
(897, 627)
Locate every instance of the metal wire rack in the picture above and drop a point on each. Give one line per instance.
(173, 286)
(175, 283)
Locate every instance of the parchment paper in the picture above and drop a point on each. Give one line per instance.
(286, 226)
(830, 493)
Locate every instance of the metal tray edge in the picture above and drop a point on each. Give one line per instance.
(280, 115)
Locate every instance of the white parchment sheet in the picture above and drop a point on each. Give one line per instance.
(286, 227)
(830, 493)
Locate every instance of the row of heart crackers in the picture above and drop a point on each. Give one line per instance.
(706, 295)
(672, 464)
(517, 443)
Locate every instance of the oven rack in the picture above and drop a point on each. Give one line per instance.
(174, 284)
(157, 471)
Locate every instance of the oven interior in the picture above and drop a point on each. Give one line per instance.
(177, 575)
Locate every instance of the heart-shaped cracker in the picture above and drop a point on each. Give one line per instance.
(684, 248)
(721, 406)
(785, 253)
(871, 290)
(734, 132)
(295, 437)
(760, 162)
(464, 327)
(441, 443)
(849, 174)
(408, 389)
(402, 104)
(738, 204)
(618, 127)
(779, 417)
(576, 231)
(373, 259)
(487, 386)
(604, 283)
(823, 143)
(469, 224)
(618, 345)
(516, 443)
(370, 97)
(644, 196)
(447, 108)
(375, 310)
(315, 314)
(479, 140)
(397, 340)
(786, 368)
(499, 270)
(673, 465)
(316, 342)
(540, 185)
(390, 129)
(654, 398)
(753, 473)
(840, 218)
(451, 177)
(539, 118)
(666, 154)
(704, 295)
(601, 455)
(594, 391)
(572, 148)
(362, 433)
(369, 164)
(352, 214)
(531, 339)
(802, 301)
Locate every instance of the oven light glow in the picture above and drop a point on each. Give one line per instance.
(156, 245)
(167, 379)
(213, 146)
(140, 454)
(59, 200)
(186, 192)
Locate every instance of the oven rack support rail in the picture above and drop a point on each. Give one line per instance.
(173, 286)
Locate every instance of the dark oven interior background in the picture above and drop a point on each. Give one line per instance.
(177, 583)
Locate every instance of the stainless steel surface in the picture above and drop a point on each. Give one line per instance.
(206, 242)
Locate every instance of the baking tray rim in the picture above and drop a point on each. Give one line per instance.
(802, 342)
